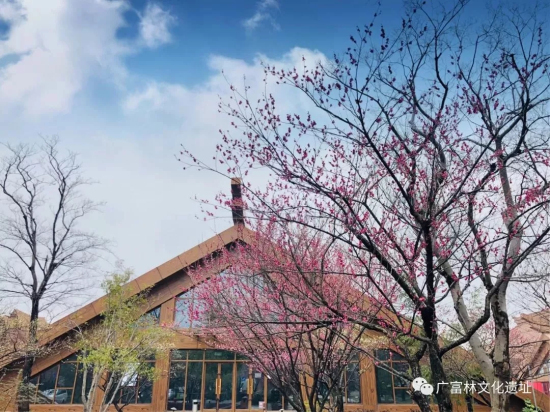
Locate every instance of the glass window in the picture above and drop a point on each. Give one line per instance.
(219, 355)
(226, 387)
(185, 383)
(134, 388)
(389, 387)
(220, 379)
(33, 383)
(145, 390)
(257, 388)
(186, 310)
(46, 385)
(384, 385)
(242, 389)
(176, 386)
(154, 314)
(383, 354)
(183, 308)
(274, 397)
(77, 398)
(67, 373)
(193, 387)
(178, 354)
(56, 384)
(210, 385)
(196, 354)
(62, 384)
(402, 396)
(353, 382)
(288, 404)
(128, 393)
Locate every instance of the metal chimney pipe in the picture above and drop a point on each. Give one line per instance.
(237, 202)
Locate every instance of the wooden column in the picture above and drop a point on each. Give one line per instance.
(368, 384)
(99, 394)
(160, 386)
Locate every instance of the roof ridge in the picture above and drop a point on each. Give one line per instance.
(150, 278)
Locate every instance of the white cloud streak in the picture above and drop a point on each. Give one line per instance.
(262, 14)
(155, 26)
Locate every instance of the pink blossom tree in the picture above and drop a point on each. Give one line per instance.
(298, 306)
(425, 156)
(256, 307)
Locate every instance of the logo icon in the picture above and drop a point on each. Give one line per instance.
(422, 385)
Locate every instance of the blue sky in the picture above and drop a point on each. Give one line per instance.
(207, 27)
(125, 82)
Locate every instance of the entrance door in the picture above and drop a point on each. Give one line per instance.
(250, 389)
(218, 386)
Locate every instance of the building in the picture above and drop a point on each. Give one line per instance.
(193, 370)
(530, 341)
(13, 328)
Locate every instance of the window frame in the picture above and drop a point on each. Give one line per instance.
(189, 296)
(72, 359)
(138, 379)
(57, 366)
(236, 361)
(393, 358)
(357, 362)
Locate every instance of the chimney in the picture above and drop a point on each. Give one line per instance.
(237, 203)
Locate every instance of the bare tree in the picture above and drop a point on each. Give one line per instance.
(46, 257)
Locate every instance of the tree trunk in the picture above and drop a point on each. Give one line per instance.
(443, 395)
(421, 401)
(417, 396)
(23, 394)
(501, 352)
(500, 402)
(470, 403)
(339, 401)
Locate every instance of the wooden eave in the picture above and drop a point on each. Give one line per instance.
(164, 273)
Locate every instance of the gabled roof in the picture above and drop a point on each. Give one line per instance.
(162, 273)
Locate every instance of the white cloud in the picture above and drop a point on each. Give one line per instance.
(261, 15)
(56, 45)
(155, 26)
(10, 11)
(201, 101)
(157, 96)
(254, 21)
(269, 3)
(140, 178)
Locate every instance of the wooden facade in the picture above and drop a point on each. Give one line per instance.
(166, 283)
(160, 389)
